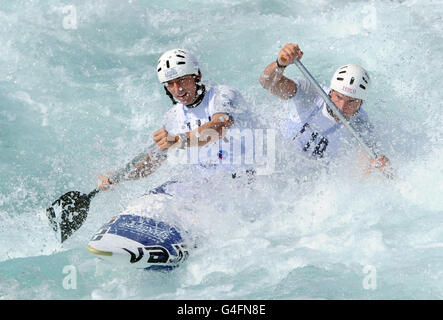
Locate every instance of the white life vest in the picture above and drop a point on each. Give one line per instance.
(315, 132)
(228, 151)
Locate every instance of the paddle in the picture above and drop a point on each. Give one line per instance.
(68, 213)
(338, 113)
(74, 208)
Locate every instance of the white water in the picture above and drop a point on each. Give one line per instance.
(75, 103)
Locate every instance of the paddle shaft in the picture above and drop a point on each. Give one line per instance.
(75, 206)
(122, 172)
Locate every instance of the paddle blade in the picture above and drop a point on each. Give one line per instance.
(67, 214)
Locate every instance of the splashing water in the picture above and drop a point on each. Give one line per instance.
(79, 97)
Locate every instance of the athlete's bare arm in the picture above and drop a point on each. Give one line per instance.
(209, 132)
(272, 78)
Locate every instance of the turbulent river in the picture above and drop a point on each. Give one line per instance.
(79, 97)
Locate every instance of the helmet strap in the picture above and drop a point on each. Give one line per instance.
(200, 87)
(170, 95)
(331, 113)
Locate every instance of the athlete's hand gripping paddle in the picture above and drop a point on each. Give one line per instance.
(68, 213)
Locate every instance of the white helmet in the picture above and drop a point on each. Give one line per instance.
(352, 81)
(176, 63)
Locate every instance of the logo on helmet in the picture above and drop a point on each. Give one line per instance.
(350, 90)
(170, 73)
